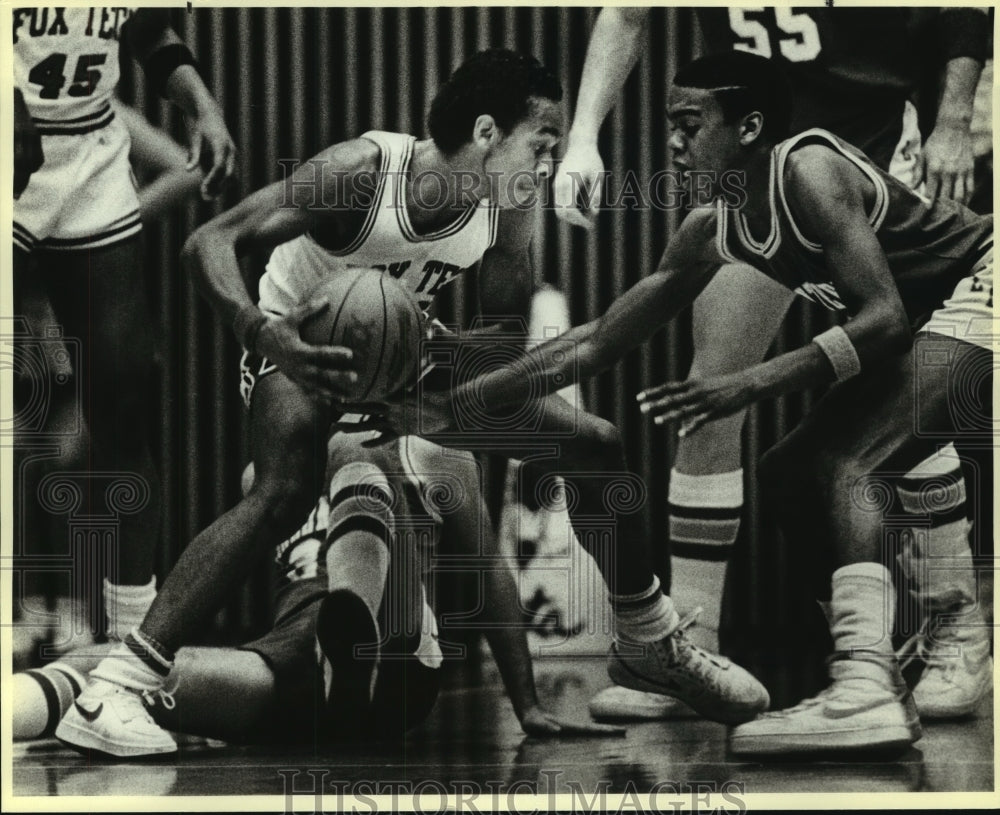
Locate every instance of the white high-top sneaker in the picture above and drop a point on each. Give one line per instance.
(867, 705)
(954, 640)
(710, 684)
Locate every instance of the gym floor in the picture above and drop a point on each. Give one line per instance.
(473, 737)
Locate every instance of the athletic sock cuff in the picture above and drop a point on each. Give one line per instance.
(705, 514)
(638, 599)
(153, 654)
(645, 617)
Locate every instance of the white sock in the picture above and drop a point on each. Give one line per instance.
(648, 616)
(863, 608)
(126, 606)
(135, 663)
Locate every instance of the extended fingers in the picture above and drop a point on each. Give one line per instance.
(660, 390)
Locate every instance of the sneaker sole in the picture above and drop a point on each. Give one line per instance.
(87, 743)
(622, 675)
(888, 738)
(635, 713)
(342, 624)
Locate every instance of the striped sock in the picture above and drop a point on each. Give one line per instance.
(43, 696)
(356, 550)
(936, 553)
(705, 514)
(648, 616)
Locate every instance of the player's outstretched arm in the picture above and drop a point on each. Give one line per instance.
(169, 66)
(615, 46)
(269, 217)
(685, 269)
(947, 159)
(826, 195)
(688, 264)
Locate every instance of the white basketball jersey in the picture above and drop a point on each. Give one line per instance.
(424, 264)
(66, 65)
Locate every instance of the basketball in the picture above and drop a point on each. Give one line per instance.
(374, 316)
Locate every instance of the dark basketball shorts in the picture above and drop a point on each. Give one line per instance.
(405, 692)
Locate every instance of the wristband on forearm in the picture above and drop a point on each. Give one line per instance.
(160, 65)
(247, 325)
(839, 349)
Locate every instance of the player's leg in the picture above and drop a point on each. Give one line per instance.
(219, 693)
(954, 639)
(375, 629)
(946, 481)
(44, 694)
(734, 322)
(351, 627)
(99, 298)
(652, 651)
(849, 452)
(289, 434)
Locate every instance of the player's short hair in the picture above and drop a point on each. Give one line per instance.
(743, 83)
(497, 82)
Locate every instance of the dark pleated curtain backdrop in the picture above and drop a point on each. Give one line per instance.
(295, 80)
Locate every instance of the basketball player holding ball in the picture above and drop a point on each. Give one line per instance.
(364, 203)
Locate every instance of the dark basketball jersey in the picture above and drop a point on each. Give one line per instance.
(851, 69)
(930, 247)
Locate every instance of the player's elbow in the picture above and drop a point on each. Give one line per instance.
(192, 251)
(895, 336)
(196, 251)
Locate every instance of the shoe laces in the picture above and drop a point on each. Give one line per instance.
(164, 695)
(688, 656)
(930, 642)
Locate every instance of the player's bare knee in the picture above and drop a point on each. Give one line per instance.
(284, 501)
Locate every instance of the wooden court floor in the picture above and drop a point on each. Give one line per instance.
(473, 737)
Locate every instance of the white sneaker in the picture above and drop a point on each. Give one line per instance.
(712, 685)
(959, 670)
(113, 720)
(618, 704)
(873, 715)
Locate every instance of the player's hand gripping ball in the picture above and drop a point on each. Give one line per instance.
(374, 316)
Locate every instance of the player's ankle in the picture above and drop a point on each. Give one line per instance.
(648, 616)
(138, 662)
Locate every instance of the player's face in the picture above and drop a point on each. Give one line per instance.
(522, 159)
(700, 139)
